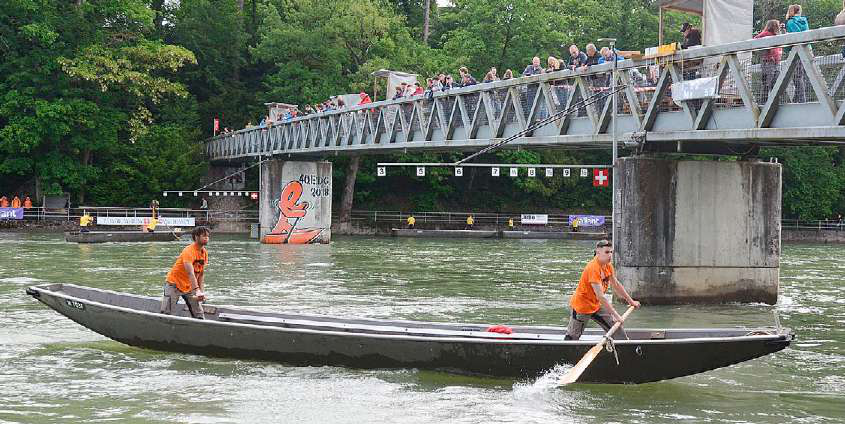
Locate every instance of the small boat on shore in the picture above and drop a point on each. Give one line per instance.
(554, 235)
(312, 340)
(412, 232)
(120, 236)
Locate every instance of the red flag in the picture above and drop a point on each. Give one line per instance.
(216, 125)
(600, 178)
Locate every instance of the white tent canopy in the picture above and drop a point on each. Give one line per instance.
(723, 21)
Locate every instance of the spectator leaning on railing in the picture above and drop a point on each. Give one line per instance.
(466, 79)
(534, 68)
(508, 74)
(770, 59)
(797, 23)
(577, 58)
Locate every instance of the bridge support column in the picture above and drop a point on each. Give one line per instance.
(698, 231)
(295, 202)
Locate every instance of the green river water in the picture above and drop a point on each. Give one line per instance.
(55, 371)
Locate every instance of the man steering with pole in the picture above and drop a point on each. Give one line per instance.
(589, 302)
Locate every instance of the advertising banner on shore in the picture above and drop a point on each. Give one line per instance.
(533, 219)
(141, 220)
(11, 213)
(587, 220)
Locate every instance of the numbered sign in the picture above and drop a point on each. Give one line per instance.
(180, 194)
(164, 194)
(494, 172)
(514, 172)
(550, 172)
(532, 172)
(566, 172)
(381, 171)
(584, 172)
(196, 194)
(421, 171)
(459, 171)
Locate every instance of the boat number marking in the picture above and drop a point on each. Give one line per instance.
(75, 304)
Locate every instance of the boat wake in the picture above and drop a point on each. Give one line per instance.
(543, 386)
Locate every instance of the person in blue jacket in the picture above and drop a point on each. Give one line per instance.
(795, 22)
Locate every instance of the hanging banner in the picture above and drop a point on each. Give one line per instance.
(533, 219)
(140, 220)
(11, 213)
(587, 220)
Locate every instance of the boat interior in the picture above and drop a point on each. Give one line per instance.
(385, 327)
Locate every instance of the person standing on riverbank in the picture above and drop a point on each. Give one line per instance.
(186, 278)
(590, 301)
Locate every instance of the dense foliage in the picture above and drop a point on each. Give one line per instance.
(109, 100)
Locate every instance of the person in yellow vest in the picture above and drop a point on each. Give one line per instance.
(16, 202)
(84, 221)
(510, 223)
(411, 221)
(470, 222)
(575, 225)
(27, 203)
(151, 226)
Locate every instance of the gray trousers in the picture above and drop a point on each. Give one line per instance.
(603, 318)
(170, 302)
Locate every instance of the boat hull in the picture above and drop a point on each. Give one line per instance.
(460, 348)
(410, 232)
(120, 236)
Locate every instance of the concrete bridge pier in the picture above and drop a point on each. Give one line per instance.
(295, 202)
(698, 231)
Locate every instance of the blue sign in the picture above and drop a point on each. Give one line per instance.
(587, 220)
(11, 213)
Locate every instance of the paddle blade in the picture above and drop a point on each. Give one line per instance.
(574, 374)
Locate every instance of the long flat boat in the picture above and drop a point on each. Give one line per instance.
(412, 232)
(553, 235)
(312, 340)
(120, 236)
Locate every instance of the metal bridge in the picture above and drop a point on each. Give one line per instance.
(799, 101)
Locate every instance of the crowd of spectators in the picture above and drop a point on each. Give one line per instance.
(578, 60)
(16, 202)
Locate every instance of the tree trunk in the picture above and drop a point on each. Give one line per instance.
(241, 5)
(86, 159)
(426, 14)
(158, 7)
(349, 189)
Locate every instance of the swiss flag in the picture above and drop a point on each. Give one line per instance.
(216, 125)
(600, 178)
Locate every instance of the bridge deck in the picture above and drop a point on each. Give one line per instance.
(803, 104)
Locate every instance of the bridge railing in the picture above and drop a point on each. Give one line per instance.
(799, 95)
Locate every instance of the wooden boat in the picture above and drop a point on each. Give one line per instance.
(554, 235)
(120, 236)
(650, 354)
(412, 232)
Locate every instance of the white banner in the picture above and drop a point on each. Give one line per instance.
(534, 219)
(139, 220)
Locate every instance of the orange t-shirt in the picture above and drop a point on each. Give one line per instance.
(584, 301)
(16, 202)
(190, 254)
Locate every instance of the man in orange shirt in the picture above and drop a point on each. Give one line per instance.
(589, 301)
(4, 202)
(27, 203)
(185, 278)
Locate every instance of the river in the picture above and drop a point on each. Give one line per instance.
(55, 371)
